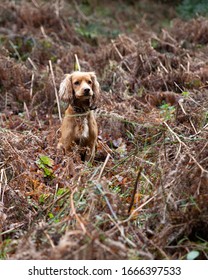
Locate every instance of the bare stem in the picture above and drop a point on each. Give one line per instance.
(55, 89)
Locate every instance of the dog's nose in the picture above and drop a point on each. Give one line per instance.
(86, 91)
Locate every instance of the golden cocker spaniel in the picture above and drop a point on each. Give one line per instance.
(79, 126)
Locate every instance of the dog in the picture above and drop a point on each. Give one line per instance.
(79, 126)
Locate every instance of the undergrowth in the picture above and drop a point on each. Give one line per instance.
(145, 195)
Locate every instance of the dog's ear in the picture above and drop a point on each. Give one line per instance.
(95, 88)
(65, 89)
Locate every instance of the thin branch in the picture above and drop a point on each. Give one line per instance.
(12, 229)
(76, 63)
(104, 165)
(74, 213)
(55, 89)
(33, 64)
(163, 67)
(27, 111)
(3, 184)
(135, 189)
(139, 208)
(31, 85)
(43, 32)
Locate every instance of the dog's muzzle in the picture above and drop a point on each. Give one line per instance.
(86, 91)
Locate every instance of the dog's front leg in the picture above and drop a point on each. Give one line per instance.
(66, 141)
(93, 134)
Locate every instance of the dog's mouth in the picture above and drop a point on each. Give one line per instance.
(83, 96)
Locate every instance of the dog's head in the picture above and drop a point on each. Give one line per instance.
(80, 86)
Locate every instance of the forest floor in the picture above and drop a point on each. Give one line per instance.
(146, 194)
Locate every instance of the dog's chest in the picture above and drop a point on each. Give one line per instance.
(85, 128)
(82, 128)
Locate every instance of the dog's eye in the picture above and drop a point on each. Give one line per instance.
(89, 82)
(76, 83)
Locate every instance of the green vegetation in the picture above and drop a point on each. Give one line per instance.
(45, 163)
(191, 8)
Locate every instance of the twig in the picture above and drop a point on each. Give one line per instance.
(188, 67)
(3, 184)
(203, 128)
(104, 165)
(99, 187)
(15, 50)
(33, 64)
(49, 239)
(183, 144)
(75, 213)
(178, 85)
(12, 229)
(55, 89)
(26, 110)
(43, 32)
(121, 229)
(139, 208)
(147, 179)
(76, 63)
(56, 200)
(135, 189)
(55, 193)
(31, 85)
(183, 68)
(182, 108)
(120, 55)
(163, 67)
(105, 147)
(179, 150)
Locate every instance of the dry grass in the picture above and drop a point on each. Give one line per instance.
(145, 196)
